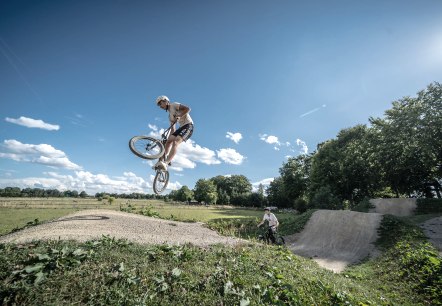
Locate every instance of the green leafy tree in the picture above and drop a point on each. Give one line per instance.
(295, 175)
(205, 191)
(410, 142)
(346, 165)
(184, 194)
(276, 194)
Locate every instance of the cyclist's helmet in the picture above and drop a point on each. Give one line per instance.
(162, 98)
(267, 208)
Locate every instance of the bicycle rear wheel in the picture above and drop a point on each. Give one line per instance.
(280, 240)
(146, 147)
(160, 181)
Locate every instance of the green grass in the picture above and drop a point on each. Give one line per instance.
(116, 272)
(17, 218)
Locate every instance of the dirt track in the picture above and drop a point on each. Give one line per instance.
(91, 224)
(334, 239)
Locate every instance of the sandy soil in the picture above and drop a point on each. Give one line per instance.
(92, 224)
(335, 239)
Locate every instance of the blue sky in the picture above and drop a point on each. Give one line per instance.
(264, 79)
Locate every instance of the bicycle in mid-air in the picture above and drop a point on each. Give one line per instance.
(148, 147)
(265, 236)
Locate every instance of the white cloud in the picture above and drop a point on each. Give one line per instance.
(313, 111)
(230, 156)
(235, 137)
(89, 182)
(153, 127)
(269, 139)
(265, 182)
(189, 153)
(303, 145)
(33, 123)
(41, 154)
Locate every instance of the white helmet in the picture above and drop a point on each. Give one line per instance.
(162, 98)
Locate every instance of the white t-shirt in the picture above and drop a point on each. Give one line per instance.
(173, 113)
(271, 218)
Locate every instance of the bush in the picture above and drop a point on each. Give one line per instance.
(363, 206)
(300, 205)
(325, 199)
(428, 206)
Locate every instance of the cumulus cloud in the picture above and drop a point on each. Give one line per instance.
(270, 139)
(33, 123)
(235, 137)
(41, 154)
(230, 156)
(303, 145)
(189, 153)
(273, 140)
(265, 183)
(89, 182)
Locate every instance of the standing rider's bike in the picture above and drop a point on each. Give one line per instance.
(271, 235)
(152, 148)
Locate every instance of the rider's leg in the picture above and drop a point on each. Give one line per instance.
(171, 148)
(168, 146)
(272, 235)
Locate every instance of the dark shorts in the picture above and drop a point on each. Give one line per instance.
(185, 131)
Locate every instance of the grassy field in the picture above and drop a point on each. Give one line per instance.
(116, 272)
(18, 212)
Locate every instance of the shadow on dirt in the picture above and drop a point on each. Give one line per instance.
(84, 218)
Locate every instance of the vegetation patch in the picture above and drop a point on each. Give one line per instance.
(428, 206)
(407, 260)
(114, 272)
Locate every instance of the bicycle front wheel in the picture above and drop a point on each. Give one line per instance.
(160, 181)
(146, 147)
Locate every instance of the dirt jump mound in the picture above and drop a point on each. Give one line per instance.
(93, 224)
(335, 239)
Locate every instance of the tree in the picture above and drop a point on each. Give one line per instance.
(276, 194)
(238, 184)
(295, 175)
(410, 142)
(83, 194)
(184, 194)
(205, 191)
(345, 165)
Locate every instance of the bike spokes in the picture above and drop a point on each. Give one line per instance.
(161, 180)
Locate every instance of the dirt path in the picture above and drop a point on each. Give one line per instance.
(92, 224)
(433, 230)
(335, 239)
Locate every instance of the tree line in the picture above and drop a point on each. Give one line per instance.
(399, 155)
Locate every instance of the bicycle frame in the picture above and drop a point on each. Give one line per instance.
(164, 137)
